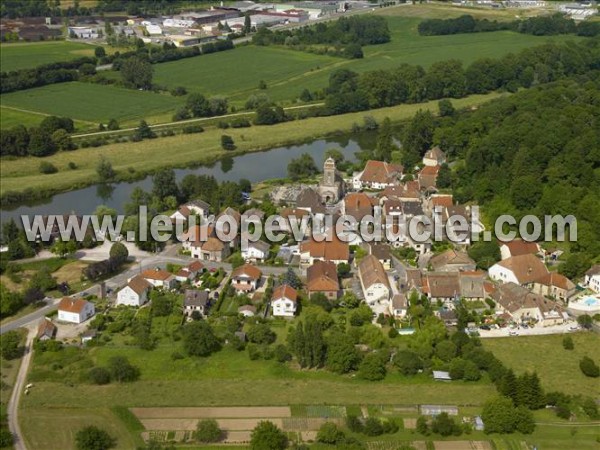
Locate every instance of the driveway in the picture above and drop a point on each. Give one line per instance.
(18, 388)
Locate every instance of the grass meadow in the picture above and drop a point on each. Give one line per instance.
(93, 103)
(25, 55)
(557, 368)
(288, 72)
(146, 156)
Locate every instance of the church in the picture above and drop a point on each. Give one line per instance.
(331, 188)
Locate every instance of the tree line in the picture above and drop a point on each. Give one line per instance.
(56, 72)
(349, 91)
(346, 35)
(538, 26)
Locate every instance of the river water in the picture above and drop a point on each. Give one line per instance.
(255, 167)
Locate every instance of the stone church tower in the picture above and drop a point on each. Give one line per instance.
(331, 187)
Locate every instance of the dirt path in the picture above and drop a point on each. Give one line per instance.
(18, 388)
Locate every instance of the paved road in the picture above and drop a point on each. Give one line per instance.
(13, 404)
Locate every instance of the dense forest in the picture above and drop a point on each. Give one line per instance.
(538, 26)
(535, 152)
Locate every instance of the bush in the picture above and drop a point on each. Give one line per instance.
(178, 91)
(330, 434)
(373, 427)
(207, 431)
(261, 334)
(99, 375)
(94, 438)
(589, 367)
(354, 424)
(567, 343)
(72, 165)
(266, 436)
(240, 123)
(190, 129)
(227, 142)
(47, 168)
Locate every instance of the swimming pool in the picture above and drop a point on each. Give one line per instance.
(588, 304)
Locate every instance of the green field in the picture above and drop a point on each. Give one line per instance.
(31, 54)
(183, 150)
(557, 368)
(10, 117)
(94, 102)
(288, 72)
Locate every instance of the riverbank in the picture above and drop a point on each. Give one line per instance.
(133, 161)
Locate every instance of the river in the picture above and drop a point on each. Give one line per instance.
(255, 167)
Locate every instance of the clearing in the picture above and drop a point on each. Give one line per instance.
(26, 55)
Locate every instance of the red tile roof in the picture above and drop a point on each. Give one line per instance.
(285, 291)
(72, 305)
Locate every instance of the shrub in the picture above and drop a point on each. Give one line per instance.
(72, 165)
(227, 142)
(47, 168)
(99, 375)
(190, 129)
(94, 438)
(207, 431)
(589, 367)
(568, 343)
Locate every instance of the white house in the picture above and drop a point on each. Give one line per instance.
(434, 157)
(284, 301)
(592, 278)
(247, 310)
(374, 281)
(255, 251)
(189, 272)
(195, 300)
(159, 278)
(399, 306)
(75, 310)
(135, 293)
(246, 278)
(523, 269)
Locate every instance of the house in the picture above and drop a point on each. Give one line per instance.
(374, 280)
(213, 249)
(554, 285)
(438, 202)
(434, 157)
(195, 300)
(428, 177)
(75, 310)
(253, 215)
(358, 205)
(309, 200)
(321, 277)
(377, 175)
(332, 249)
(255, 251)
(246, 278)
(46, 330)
(406, 192)
(293, 218)
(474, 286)
(592, 278)
(452, 261)
(383, 254)
(448, 316)
(190, 272)
(522, 269)
(198, 207)
(442, 286)
(284, 301)
(135, 293)
(159, 278)
(181, 215)
(247, 310)
(518, 247)
(525, 306)
(399, 306)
